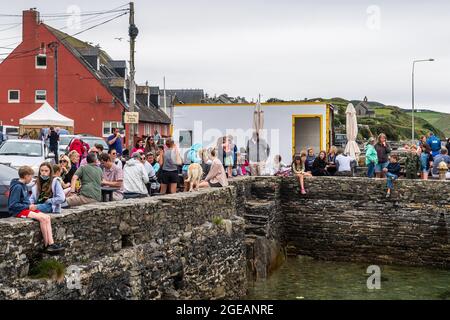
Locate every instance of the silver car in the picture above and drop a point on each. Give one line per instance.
(21, 152)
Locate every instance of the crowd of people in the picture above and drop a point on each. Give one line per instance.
(152, 168)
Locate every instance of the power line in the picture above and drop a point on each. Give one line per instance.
(23, 54)
(60, 15)
(13, 27)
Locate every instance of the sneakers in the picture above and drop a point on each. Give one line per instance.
(388, 195)
(54, 249)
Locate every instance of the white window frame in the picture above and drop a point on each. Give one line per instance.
(36, 94)
(36, 64)
(109, 125)
(13, 100)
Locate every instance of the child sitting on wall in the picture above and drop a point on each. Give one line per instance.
(392, 172)
(19, 206)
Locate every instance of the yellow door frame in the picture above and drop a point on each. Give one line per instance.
(296, 116)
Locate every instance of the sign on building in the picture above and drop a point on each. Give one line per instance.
(131, 117)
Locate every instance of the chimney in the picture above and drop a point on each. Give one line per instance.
(30, 21)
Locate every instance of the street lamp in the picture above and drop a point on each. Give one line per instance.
(412, 113)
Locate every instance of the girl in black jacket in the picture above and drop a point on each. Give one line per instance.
(319, 167)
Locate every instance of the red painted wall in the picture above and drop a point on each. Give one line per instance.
(81, 96)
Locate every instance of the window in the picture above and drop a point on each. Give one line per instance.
(40, 96)
(13, 96)
(185, 140)
(41, 61)
(108, 127)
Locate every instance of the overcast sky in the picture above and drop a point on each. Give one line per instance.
(280, 48)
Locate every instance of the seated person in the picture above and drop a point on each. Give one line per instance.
(320, 166)
(47, 194)
(91, 150)
(310, 157)
(216, 177)
(113, 154)
(90, 176)
(135, 177)
(343, 164)
(442, 157)
(19, 206)
(153, 184)
(112, 176)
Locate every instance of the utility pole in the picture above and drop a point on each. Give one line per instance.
(132, 32)
(54, 46)
(165, 104)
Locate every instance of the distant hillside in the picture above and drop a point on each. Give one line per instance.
(393, 121)
(437, 119)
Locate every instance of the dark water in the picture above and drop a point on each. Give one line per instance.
(309, 279)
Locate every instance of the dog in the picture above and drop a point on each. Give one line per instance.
(195, 174)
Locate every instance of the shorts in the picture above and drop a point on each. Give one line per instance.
(25, 213)
(214, 185)
(424, 162)
(169, 177)
(380, 166)
(228, 161)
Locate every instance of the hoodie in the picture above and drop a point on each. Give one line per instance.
(135, 177)
(192, 156)
(18, 197)
(56, 200)
(371, 154)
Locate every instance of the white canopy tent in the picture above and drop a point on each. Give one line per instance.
(43, 117)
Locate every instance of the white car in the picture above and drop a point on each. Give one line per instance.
(17, 153)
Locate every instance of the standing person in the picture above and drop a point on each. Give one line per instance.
(112, 176)
(19, 206)
(383, 151)
(371, 157)
(216, 176)
(138, 147)
(447, 146)
(299, 170)
(228, 156)
(319, 167)
(412, 163)
(90, 176)
(156, 136)
(113, 154)
(392, 172)
(47, 194)
(53, 138)
(258, 152)
(169, 160)
(115, 141)
(135, 177)
(150, 145)
(425, 157)
(331, 159)
(434, 143)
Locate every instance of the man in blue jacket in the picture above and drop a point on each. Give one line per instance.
(434, 143)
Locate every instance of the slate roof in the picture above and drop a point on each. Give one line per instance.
(107, 74)
(186, 96)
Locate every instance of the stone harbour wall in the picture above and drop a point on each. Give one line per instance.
(209, 244)
(155, 248)
(349, 219)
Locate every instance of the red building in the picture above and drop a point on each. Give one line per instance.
(92, 87)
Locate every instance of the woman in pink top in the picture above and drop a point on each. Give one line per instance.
(139, 147)
(216, 177)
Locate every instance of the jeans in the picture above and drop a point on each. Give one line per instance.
(424, 162)
(45, 207)
(371, 170)
(390, 179)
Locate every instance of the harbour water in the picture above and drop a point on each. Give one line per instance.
(310, 279)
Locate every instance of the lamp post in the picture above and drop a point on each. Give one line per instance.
(412, 113)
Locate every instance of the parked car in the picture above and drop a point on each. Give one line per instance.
(66, 140)
(9, 132)
(23, 152)
(7, 173)
(340, 139)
